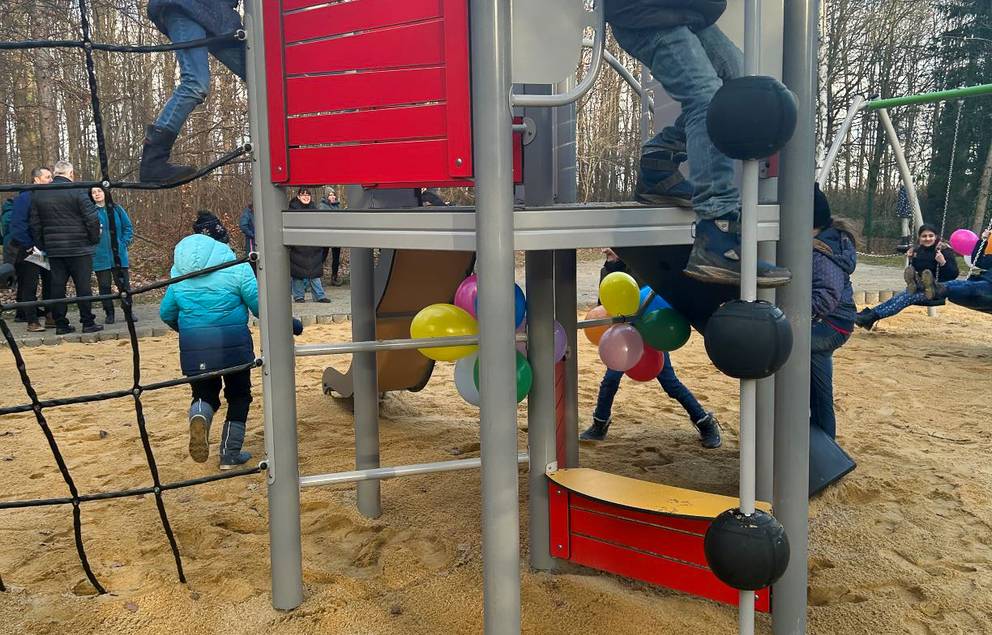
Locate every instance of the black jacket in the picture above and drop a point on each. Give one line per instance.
(306, 262)
(664, 14)
(981, 256)
(64, 222)
(926, 258)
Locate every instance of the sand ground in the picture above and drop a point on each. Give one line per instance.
(902, 545)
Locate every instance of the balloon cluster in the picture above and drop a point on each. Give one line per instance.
(635, 348)
(461, 318)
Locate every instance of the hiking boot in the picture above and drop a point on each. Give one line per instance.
(200, 416)
(715, 257)
(866, 319)
(709, 431)
(659, 181)
(939, 291)
(324, 301)
(597, 431)
(35, 327)
(928, 285)
(64, 330)
(913, 280)
(110, 319)
(155, 166)
(92, 328)
(232, 437)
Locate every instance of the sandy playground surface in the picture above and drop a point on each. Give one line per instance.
(902, 545)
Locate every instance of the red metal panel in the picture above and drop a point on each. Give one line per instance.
(691, 525)
(349, 91)
(656, 570)
(369, 163)
(558, 511)
(291, 5)
(643, 537)
(459, 88)
(391, 124)
(359, 15)
(272, 20)
(402, 46)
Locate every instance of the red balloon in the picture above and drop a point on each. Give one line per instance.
(648, 366)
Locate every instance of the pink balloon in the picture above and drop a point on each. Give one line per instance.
(963, 241)
(561, 342)
(466, 294)
(621, 347)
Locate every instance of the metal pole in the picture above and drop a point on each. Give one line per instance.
(791, 487)
(366, 380)
(395, 471)
(566, 185)
(765, 404)
(907, 176)
(490, 36)
(647, 105)
(749, 293)
(839, 138)
(925, 98)
(276, 327)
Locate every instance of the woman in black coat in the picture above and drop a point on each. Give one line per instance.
(306, 264)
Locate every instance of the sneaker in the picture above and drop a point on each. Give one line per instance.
(324, 300)
(35, 327)
(109, 319)
(912, 280)
(50, 322)
(595, 432)
(92, 328)
(866, 318)
(200, 416)
(65, 330)
(336, 281)
(709, 431)
(659, 181)
(715, 256)
(928, 285)
(299, 300)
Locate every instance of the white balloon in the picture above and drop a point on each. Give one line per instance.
(465, 380)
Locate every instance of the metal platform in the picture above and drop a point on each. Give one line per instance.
(535, 228)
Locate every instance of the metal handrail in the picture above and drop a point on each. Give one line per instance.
(624, 73)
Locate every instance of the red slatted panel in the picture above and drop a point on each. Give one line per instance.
(560, 414)
(291, 5)
(279, 168)
(413, 45)
(368, 164)
(691, 525)
(364, 90)
(650, 538)
(360, 15)
(459, 95)
(418, 122)
(558, 509)
(661, 571)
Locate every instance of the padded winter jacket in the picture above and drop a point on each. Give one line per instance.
(306, 262)
(926, 258)
(64, 223)
(210, 312)
(103, 257)
(981, 256)
(834, 260)
(664, 14)
(247, 226)
(217, 17)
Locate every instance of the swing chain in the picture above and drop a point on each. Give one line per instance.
(950, 178)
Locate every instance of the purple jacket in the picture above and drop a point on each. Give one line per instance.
(834, 260)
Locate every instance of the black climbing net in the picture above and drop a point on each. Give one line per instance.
(125, 295)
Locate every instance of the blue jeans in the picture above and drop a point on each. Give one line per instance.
(194, 69)
(967, 293)
(691, 68)
(300, 285)
(669, 383)
(825, 340)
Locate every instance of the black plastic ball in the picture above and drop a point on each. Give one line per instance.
(748, 340)
(751, 117)
(746, 552)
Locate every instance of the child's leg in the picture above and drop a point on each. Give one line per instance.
(194, 76)
(318, 289)
(970, 293)
(607, 392)
(299, 287)
(206, 401)
(678, 391)
(237, 392)
(823, 342)
(897, 303)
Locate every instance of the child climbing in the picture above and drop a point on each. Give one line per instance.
(210, 313)
(931, 261)
(705, 422)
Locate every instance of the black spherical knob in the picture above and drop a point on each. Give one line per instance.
(746, 552)
(748, 340)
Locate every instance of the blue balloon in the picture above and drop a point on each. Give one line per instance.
(519, 306)
(657, 304)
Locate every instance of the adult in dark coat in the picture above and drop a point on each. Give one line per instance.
(306, 264)
(18, 245)
(66, 226)
(185, 21)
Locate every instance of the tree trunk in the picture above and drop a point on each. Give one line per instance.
(978, 224)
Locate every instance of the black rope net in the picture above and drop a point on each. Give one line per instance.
(125, 295)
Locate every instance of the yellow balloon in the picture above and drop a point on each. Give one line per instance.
(444, 320)
(619, 295)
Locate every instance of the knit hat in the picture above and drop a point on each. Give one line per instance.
(821, 208)
(207, 223)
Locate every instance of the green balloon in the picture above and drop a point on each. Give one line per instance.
(525, 376)
(663, 330)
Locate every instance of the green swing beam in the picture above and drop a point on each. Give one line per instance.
(926, 98)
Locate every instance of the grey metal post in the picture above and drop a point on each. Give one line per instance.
(566, 184)
(646, 110)
(791, 495)
(565, 309)
(765, 404)
(365, 376)
(276, 326)
(490, 36)
(904, 172)
(845, 128)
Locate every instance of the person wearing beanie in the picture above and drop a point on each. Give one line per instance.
(207, 223)
(306, 264)
(930, 261)
(833, 311)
